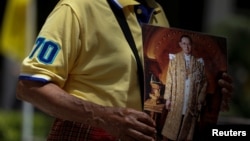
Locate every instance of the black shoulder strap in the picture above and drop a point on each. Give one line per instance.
(125, 28)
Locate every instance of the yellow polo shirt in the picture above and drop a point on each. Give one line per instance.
(82, 49)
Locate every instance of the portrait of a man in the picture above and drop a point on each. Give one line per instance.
(181, 70)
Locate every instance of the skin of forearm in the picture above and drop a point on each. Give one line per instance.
(54, 101)
(120, 122)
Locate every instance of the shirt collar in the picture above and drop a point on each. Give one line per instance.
(187, 56)
(124, 3)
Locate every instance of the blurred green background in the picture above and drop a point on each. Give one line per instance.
(228, 18)
(11, 125)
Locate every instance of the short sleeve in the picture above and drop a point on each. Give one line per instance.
(55, 48)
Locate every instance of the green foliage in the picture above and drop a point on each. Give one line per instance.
(11, 126)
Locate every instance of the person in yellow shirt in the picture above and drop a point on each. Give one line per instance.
(83, 72)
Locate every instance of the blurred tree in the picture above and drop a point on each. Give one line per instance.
(237, 31)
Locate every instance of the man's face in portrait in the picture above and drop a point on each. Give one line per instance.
(185, 44)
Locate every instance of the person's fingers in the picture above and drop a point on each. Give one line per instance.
(142, 125)
(144, 129)
(227, 86)
(132, 125)
(146, 119)
(227, 77)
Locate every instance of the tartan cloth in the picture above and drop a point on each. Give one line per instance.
(63, 130)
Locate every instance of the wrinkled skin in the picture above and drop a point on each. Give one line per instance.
(124, 123)
(128, 124)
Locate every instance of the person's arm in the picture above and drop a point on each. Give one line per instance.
(123, 123)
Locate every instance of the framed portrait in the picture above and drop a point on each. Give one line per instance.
(182, 69)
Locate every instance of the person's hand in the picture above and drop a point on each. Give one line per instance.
(129, 125)
(168, 104)
(226, 84)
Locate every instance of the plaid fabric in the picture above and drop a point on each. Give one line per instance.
(71, 131)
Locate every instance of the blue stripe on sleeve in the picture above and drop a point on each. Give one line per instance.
(21, 77)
